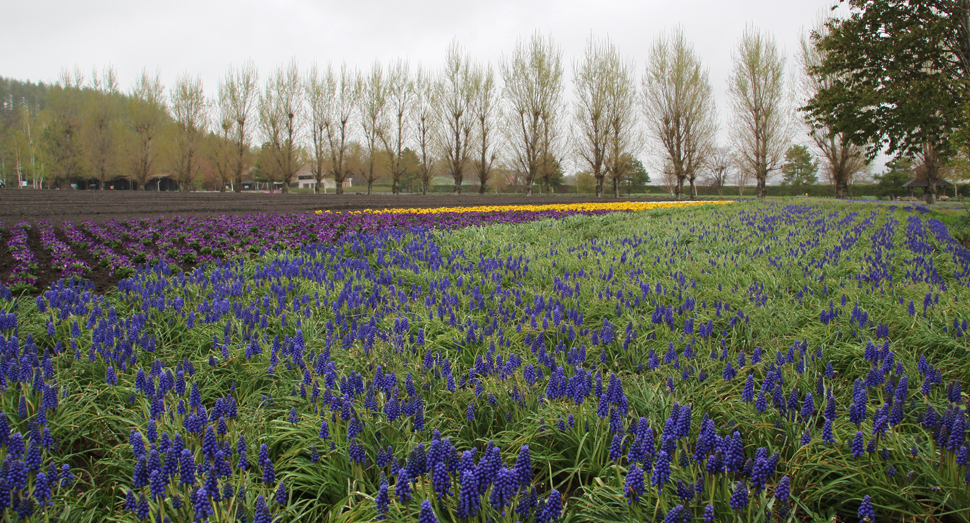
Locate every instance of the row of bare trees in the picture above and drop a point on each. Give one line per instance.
(466, 118)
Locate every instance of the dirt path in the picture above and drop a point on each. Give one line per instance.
(99, 206)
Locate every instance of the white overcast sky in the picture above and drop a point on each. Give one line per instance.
(39, 38)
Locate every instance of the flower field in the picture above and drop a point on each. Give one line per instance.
(117, 248)
(741, 362)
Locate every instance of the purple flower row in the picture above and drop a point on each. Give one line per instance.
(24, 259)
(116, 263)
(64, 258)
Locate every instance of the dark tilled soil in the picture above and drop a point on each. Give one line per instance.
(56, 206)
(30, 205)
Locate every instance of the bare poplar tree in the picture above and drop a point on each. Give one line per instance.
(280, 117)
(400, 100)
(759, 130)
(373, 118)
(591, 107)
(678, 104)
(222, 149)
(320, 100)
(333, 103)
(427, 123)
(146, 116)
(533, 95)
(456, 100)
(238, 95)
(101, 117)
(190, 110)
(842, 158)
(623, 134)
(484, 104)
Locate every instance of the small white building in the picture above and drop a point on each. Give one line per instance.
(304, 179)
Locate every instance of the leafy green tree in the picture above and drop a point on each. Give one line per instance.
(264, 163)
(551, 174)
(900, 70)
(585, 182)
(100, 126)
(800, 167)
(146, 116)
(636, 178)
(61, 139)
(21, 104)
(190, 110)
(411, 168)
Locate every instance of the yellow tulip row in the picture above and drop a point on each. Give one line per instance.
(592, 206)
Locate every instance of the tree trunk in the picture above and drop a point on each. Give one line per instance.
(457, 188)
(616, 188)
(842, 188)
(481, 188)
(599, 187)
(693, 189)
(394, 187)
(369, 186)
(762, 190)
(528, 189)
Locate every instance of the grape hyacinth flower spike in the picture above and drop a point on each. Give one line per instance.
(866, 512)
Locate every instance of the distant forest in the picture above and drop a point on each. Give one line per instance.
(89, 133)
